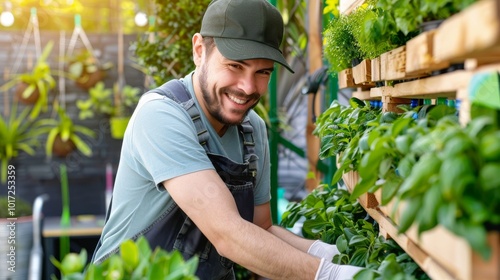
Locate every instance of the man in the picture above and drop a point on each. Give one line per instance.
(194, 169)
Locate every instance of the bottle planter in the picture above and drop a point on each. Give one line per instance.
(118, 126)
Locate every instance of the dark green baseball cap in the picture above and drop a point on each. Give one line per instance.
(245, 29)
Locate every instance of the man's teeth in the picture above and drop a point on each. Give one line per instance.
(237, 100)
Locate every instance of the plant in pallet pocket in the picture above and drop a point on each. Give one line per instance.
(341, 48)
(456, 181)
(340, 128)
(136, 260)
(331, 215)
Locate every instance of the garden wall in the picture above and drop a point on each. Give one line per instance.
(37, 175)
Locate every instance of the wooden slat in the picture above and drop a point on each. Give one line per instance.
(419, 55)
(362, 72)
(346, 79)
(445, 85)
(363, 94)
(474, 32)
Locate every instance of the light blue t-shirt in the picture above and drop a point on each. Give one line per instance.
(161, 143)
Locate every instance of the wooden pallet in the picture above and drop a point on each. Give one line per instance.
(362, 73)
(472, 33)
(346, 80)
(419, 55)
(439, 252)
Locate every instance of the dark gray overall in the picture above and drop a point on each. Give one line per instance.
(173, 229)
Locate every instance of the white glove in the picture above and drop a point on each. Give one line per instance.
(331, 271)
(324, 250)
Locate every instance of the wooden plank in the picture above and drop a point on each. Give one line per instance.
(362, 72)
(419, 55)
(363, 94)
(429, 265)
(367, 200)
(375, 69)
(346, 79)
(474, 32)
(393, 65)
(444, 85)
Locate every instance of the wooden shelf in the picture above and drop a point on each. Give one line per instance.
(441, 254)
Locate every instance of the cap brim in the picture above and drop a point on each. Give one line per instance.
(238, 49)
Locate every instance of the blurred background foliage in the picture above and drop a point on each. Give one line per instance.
(98, 16)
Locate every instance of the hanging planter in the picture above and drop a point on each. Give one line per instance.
(62, 148)
(33, 87)
(25, 96)
(64, 136)
(86, 70)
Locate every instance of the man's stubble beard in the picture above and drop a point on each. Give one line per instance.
(214, 109)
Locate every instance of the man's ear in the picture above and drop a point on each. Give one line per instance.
(197, 48)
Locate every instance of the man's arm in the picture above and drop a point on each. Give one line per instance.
(207, 201)
(262, 218)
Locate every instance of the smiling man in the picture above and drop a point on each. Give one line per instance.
(194, 172)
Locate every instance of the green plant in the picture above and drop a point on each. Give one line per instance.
(136, 260)
(410, 15)
(39, 81)
(67, 132)
(166, 56)
(341, 48)
(86, 69)
(330, 214)
(18, 133)
(22, 208)
(107, 101)
(376, 31)
(455, 180)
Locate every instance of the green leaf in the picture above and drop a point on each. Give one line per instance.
(130, 254)
(359, 257)
(413, 206)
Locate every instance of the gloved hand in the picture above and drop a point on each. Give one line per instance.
(324, 250)
(331, 271)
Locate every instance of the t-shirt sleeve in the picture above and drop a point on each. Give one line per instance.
(165, 142)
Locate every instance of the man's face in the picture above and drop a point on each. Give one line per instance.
(231, 88)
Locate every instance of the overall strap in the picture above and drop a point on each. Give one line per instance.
(246, 130)
(175, 90)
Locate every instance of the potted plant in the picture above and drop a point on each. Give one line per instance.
(19, 134)
(117, 103)
(64, 136)
(86, 70)
(33, 87)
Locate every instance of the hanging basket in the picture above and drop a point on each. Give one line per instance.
(62, 148)
(30, 100)
(118, 126)
(89, 80)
